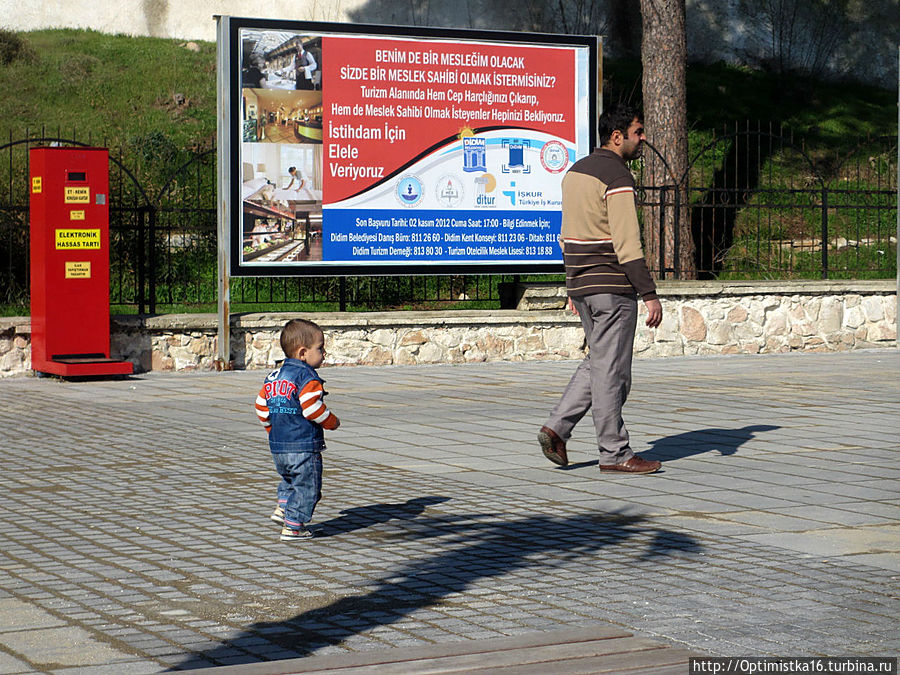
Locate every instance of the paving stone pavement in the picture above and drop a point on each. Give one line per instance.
(135, 533)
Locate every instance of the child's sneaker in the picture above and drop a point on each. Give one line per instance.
(288, 534)
(278, 515)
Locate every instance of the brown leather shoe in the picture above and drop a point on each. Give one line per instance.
(634, 464)
(553, 446)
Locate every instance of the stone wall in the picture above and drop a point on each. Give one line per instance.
(699, 318)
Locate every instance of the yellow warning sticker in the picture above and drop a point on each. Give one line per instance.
(78, 270)
(78, 195)
(77, 239)
(36, 184)
(76, 215)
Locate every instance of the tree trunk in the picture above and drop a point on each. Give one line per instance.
(667, 228)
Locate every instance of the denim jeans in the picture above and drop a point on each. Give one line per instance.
(301, 485)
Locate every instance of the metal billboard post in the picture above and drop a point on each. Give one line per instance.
(223, 157)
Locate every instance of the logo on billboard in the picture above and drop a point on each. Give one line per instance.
(516, 158)
(474, 152)
(511, 193)
(485, 184)
(410, 191)
(449, 191)
(554, 156)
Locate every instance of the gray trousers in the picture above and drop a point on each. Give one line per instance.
(603, 379)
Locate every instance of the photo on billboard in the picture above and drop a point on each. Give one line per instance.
(386, 150)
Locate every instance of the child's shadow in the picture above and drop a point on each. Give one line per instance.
(361, 517)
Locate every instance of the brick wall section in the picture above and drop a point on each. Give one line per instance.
(700, 318)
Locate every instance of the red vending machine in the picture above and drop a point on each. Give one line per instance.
(70, 263)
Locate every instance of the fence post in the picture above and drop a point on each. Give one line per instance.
(676, 231)
(142, 212)
(824, 233)
(151, 257)
(662, 232)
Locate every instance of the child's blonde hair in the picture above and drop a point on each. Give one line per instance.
(298, 333)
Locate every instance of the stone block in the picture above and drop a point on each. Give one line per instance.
(200, 346)
(430, 353)
(384, 337)
(882, 332)
(377, 356)
(160, 362)
(12, 361)
(749, 347)
(475, 355)
(747, 330)
(531, 344)
(693, 326)
(873, 308)
(831, 314)
(776, 321)
(404, 356)
(853, 317)
(564, 338)
(737, 315)
(494, 345)
(719, 333)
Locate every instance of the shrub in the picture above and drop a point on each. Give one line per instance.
(14, 47)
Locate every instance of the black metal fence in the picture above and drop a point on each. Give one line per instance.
(756, 203)
(759, 204)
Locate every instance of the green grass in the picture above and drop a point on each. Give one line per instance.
(115, 88)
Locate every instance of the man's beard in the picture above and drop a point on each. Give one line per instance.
(636, 153)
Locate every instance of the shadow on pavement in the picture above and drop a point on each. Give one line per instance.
(578, 465)
(471, 549)
(726, 441)
(365, 516)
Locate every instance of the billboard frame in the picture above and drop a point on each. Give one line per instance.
(229, 77)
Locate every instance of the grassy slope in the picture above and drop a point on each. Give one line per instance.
(114, 87)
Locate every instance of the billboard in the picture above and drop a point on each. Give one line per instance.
(359, 149)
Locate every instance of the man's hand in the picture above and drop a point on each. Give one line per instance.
(654, 313)
(572, 307)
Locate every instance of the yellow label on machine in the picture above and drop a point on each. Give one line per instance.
(78, 195)
(36, 184)
(76, 215)
(78, 270)
(77, 239)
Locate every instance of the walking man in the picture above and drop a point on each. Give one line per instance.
(605, 274)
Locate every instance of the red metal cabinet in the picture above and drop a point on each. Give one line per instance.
(70, 263)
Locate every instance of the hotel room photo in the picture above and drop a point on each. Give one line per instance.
(281, 190)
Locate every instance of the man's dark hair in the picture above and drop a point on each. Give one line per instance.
(617, 118)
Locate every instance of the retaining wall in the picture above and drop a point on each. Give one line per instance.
(699, 318)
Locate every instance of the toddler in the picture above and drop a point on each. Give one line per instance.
(291, 408)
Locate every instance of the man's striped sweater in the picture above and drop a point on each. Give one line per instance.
(600, 235)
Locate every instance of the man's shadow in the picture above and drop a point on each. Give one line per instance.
(365, 516)
(725, 441)
(471, 549)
